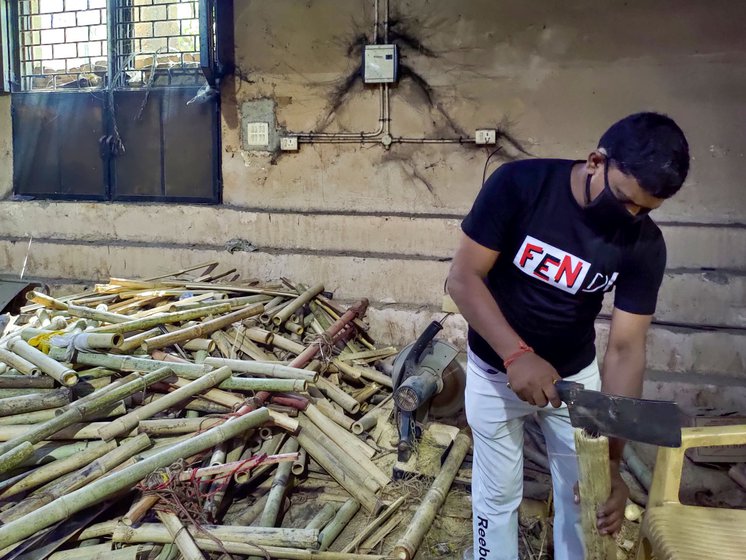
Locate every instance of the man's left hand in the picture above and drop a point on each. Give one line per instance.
(611, 514)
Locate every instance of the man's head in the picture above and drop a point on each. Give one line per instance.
(643, 157)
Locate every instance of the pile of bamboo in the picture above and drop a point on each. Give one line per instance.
(173, 416)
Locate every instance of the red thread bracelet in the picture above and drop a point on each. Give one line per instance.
(523, 348)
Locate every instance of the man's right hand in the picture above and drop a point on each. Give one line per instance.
(532, 379)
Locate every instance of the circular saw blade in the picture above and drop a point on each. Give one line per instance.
(450, 401)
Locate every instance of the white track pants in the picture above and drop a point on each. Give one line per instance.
(496, 414)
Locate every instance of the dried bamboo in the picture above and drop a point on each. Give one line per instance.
(105, 552)
(203, 328)
(19, 453)
(322, 517)
(368, 420)
(132, 363)
(78, 411)
(242, 343)
(267, 369)
(180, 536)
(135, 341)
(338, 395)
(594, 484)
(345, 369)
(57, 468)
(375, 524)
(335, 461)
(131, 420)
(138, 510)
(197, 344)
(165, 319)
(269, 447)
(360, 451)
(276, 495)
(104, 487)
(174, 426)
(75, 310)
(284, 421)
(284, 343)
(25, 382)
(225, 398)
(262, 536)
(407, 546)
(336, 415)
(367, 392)
(299, 465)
(368, 355)
(20, 364)
(31, 403)
(344, 515)
(52, 368)
(239, 466)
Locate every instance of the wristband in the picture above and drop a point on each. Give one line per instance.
(523, 348)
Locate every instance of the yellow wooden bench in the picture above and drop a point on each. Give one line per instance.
(674, 531)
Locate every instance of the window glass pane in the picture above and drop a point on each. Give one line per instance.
(62, 44)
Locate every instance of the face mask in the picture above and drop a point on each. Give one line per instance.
(606, 212)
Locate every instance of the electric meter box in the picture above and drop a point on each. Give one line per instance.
(380, 64)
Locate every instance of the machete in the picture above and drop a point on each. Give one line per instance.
(643, 420)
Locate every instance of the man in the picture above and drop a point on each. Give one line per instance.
(543, 243)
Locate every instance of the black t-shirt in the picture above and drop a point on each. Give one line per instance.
(554, 267)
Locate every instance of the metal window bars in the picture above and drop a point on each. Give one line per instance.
(78, 44)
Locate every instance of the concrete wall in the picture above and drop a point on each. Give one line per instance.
(381, 223)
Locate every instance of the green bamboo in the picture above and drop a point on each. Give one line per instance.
(48, 451)
(368, 355)
(322, 517)
(14, 393)
(16, 456)
(25, 382)
(77, 431)
(256, 384)
(79, 410)
(262, 368)
(131, 420)
(33, 402)
(344, 515)
(175, 426)
(53, 470)
(132, 363)
(15, 361)
(407, 545)
(203, 328)
(165, 319)
(261, 536)
(52, 368)
(100, 489)
(279, 488)
(105, 552)
(117, 409)
(95, 373)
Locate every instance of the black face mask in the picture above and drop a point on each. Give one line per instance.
(606, 212)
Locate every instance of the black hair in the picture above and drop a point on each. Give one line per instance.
(651, 148)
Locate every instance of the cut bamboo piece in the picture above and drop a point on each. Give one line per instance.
(367, 392)
(594, 485)
(197, 344)
(58, 468)
(202, 329)
(19, 453)
(100, 489)
(268, 447)
(131, 420)
(228, 342)
(284, 343)
(361, 452)
(284, 421)
(15, 361)
(261, 368)
(368, 421)
(407, 546)
(323, 517)
(375, 524)
(336, 415)
(299, 465)
(335, 461)
(135, 341)
(52, 368)
(285, 313)
(138, 510)
(180, 536)
(31, 403)
(344, 515)
(338, 396)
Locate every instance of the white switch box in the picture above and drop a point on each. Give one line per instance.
(289, 143)
(486, 136)
(380, 64)
(257, 134)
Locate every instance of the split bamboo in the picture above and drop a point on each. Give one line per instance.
(375, 524)
(52, 368)
(594, 484)
(107, 486)
(407, 545)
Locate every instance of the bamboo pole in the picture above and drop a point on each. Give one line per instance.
(75, 310)
(260, 368)
(9, 393)
(336, 415)
(360, 451)
(225, 398)
(338, 395)
(335, 461)
(595, 486)
(165, 319)
(407, 546)
(16, 455)
(279, 488)
(131, 420)
(132, 363)
(180, 536)
(197, 344)
(31, 403)
(15, 361)
(262, 536)
(285, 313)
(369, 420)
(375, 524)
(239, 466)
(344, 515)
(52, 368)
(25, 382)
(58, 468)
(100, 489)
(203, 328)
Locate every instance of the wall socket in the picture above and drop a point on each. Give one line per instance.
(289, 143)
(486, 136)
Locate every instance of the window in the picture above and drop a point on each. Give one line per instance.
(115, 100)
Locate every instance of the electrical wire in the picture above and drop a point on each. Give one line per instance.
(486, 163)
